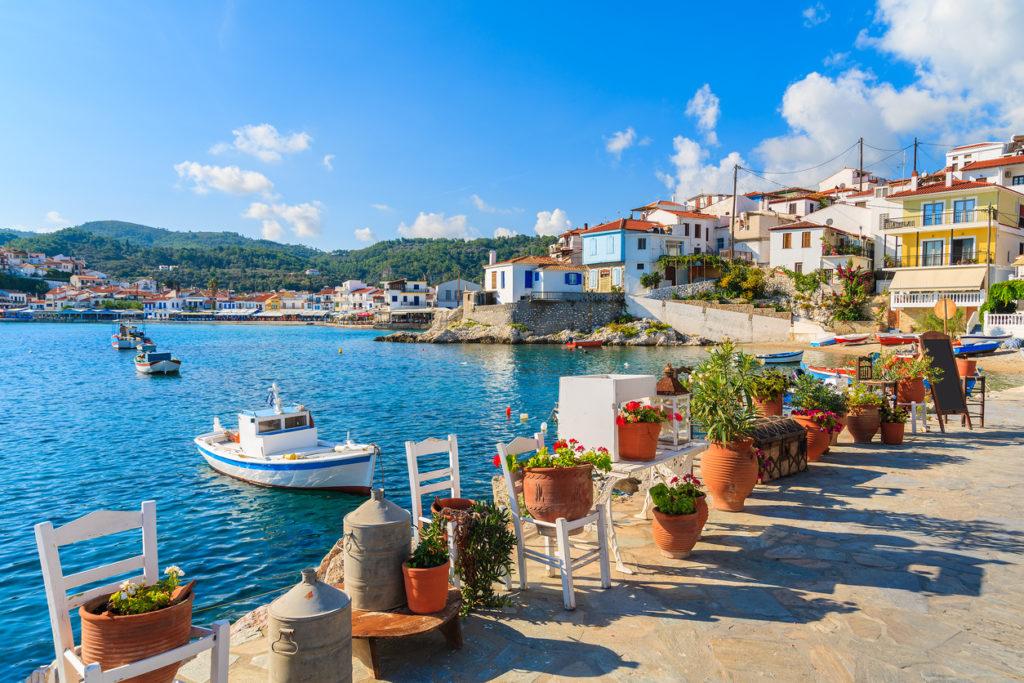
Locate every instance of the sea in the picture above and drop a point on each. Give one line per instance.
(82, 431)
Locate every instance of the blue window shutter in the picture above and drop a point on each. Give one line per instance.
(568, 278)
(529, 278)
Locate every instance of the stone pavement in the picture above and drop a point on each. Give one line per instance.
(879, 563)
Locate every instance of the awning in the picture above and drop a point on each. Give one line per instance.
(270, 314)
(939, 280)
(235, 312)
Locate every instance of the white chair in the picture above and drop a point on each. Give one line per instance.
(560, 558)
(447, 479)
(69, 665)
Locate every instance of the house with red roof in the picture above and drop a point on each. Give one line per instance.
(532, 277)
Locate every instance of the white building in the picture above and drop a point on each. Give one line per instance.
(532, 277)
(405, 294)
(804, 247)
(449, 294)
(965, 155)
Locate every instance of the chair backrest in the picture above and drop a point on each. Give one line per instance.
(447, 478)
(93, 525)
(516, 447)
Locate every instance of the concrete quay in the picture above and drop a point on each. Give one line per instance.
(879, 563)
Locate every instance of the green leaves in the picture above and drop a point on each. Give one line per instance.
(723, 389)
(432, 550)
(485, 544)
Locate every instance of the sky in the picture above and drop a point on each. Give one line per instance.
(340, 124)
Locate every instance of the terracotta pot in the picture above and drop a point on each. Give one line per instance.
(445, 506)
(553, 492)
(675, 535)
(426, 590)
(892, 433)
(862, 424)
(114, 640)
(910, 390)
(730, 473)
(966, 367)
(702, 511)
(817, 440)
(767, 406)
(639, 440)
(833, 437)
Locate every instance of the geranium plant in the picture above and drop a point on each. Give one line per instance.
(861, 396)
(892, 415)
(826, 420)
(138, 598)
(562, 453)
(770, 385)
(678, 499)
(723, 389)
(634, 412)
(895, 367)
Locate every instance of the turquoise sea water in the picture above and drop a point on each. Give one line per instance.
(82, 431)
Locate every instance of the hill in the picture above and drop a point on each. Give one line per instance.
(129, 251)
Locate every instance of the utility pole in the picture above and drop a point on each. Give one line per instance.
(915, 154)
(732, 217)
(861, 169)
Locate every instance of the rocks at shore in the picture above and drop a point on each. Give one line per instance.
(641, 332)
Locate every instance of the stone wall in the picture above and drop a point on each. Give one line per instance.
(739, 322)
(690, 289)
(550, 317)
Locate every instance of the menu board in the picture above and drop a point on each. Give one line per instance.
(947, 391)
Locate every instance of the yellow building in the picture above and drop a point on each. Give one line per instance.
(952, 241)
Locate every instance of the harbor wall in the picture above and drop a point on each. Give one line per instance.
(739, 322)
(549, 316)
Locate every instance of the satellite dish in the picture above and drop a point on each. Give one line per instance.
(828, 222)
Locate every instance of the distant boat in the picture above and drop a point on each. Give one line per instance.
(279, 446)
(852, 338)
(157, 363)
(781, 358)
(583, 344)
(976, 349)
(127, 337)
(829, 373)
(824, 341)
(147, 345)
(983, 338)
(894, 338)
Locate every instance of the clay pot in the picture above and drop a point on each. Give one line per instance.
(910, 390)
(675, 535)
(862, 424)
(730, 473)
(966, 367)
(446, 506)
(892, 433)
(767, 406)
(833, 437)
(553, 492)
(702, 512)
(426, 590)
(817, 440)
(114, 640)
(639, 440)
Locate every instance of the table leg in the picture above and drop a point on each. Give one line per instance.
(452, 630)
(365, 650)
(613, 541)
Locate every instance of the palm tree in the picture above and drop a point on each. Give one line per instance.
(212, 285)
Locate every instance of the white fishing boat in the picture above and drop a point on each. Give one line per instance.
(157, 363)
(851, 338)
(983, 338)
(126, 337)
(781, 358)
(279, 446)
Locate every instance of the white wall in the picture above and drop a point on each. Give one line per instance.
(810, 256)
(713, 323)
(554, 280)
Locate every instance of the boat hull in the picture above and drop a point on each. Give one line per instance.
(781, 358)
(127, 344)
(852, 339)
(976, 349)
(583, 344)
(348, 473)
(983, 338)
(895, 339)
(160, 367)
(824, 341)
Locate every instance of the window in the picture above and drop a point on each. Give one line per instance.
(805, 239)
(416, 300)
(494, 279)
(932, 213)
(931, 252)
(787, 240)
(792, 207)
(294, 421)
(798, 267)
(1018, 180)
(609, 244)
(639, 266)
(961, 251)
(616, 276)
(264, 426)
(573, 279)
(963, 210)
(686, 229)
(696, 230)
(721, 243)
(394, 297)
(503, 279)
(696, 250)
(592, 246)
(641, 243)
(593, 280)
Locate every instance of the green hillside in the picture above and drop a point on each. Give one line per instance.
(251, 265)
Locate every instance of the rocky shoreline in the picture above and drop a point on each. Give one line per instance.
(639, 332)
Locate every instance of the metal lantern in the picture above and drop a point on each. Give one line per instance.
(310, 633)
(669, 384)
(864, 368)
(378, 539)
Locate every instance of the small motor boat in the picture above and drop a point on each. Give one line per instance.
(156, 363)
(852, 338)
(983, 338)
(833, 375)
(781, 358)
(824, 341)
(895, 338)
(976, 349)
(583, 343)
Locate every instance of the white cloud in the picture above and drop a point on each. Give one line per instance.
(230, 179)
(695, 175)
(814, 15)
(383, 207)
(622, 140)
(365, 235)
(54, 218)
(327, 162)
(304, 218)
(552, 222)
(703, 107)
(483, 206)
(264, 142)
(436, 225)
(272, 230)
(836, 59)
(504, 232)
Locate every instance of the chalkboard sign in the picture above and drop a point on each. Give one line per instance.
(948, 391)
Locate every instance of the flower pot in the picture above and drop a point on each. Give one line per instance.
(910, 390)
(638, 440)
(553, 492)
(446, 506)
(702, 511)
(817, 440)
(767, 406)
(966, 367)
(113, 640)
(730, 473)
(892, 433)
(862, 424)
(426, 590)
(675, 535)
(833, 437)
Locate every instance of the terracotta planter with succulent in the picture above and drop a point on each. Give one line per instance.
(893, 425)
(559, 482)
(639, 426)
(769, 388)
(426, 571)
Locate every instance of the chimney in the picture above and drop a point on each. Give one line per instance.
(492, 257)
(949, 178)
(585, 226)
(913, 181)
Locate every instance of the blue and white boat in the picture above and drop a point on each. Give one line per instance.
(976, 349)
(983, 338)
(279, 446)
(781, 358)
(824, 341)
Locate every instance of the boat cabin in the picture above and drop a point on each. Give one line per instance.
(271, 431)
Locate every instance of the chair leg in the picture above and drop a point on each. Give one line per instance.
(602, 548)
(219, 658)
(568, 594)
(547, 551)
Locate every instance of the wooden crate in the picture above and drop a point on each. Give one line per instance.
(785, 443)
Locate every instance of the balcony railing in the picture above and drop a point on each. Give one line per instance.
(575, 296)
(915, 299)
(922, 220)
(966, 257)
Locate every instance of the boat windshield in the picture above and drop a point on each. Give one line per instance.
(271, 425)
(294, 421)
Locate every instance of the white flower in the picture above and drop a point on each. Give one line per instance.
(128, 588)
(174, 570)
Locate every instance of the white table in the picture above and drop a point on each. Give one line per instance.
(670, 461)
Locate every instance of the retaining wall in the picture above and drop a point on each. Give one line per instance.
(550, 317)
(739, 322)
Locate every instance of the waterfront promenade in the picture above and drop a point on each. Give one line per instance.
(879, 563)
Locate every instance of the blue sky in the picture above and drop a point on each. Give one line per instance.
(460, 119)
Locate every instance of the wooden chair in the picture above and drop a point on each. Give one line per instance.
(447, 479)
(560, 558)
(69, 665)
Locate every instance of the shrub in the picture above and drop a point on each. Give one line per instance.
(722, 401)
(519, 326)
(812, 394)
(432, 550)
(486, 541)
(742, 281)
(650, 280)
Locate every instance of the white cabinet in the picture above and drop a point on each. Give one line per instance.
(588, 405)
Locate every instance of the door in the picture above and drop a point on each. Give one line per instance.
(529, 279)
(961, 251)
(670, 275)
(963, 210)
(604, 280)
(931, 252)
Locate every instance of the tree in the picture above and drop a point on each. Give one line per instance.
(650, 280)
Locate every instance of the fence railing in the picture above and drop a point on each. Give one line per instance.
(964, 257)
(923, 220)
(1003, 323)
(914, 299)
(576, 296)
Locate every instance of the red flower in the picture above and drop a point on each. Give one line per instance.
(673, 480)
(633, 405)
(621, 421)
(573, 441)
(497, 460)
(559, 444)
(677, 417)
(580, 449)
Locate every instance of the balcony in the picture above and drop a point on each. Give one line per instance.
(929, 299)
(966, 257)
(937, 220)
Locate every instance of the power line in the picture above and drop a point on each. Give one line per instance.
(882, 149)
(804, 170)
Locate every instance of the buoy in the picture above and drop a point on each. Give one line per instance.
(625, 365)
(544, 427)
(508, 411)
(339, 352)
(523, 417)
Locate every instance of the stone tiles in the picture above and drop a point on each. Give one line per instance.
(877, 564)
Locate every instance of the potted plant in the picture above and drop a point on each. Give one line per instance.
(863, 420)
(639, 427)
(909, 373)
(769, 388)
(817, 408)
(966, 367)
(137, 622)
(559, 482)
(722, 403)
(485, 542)
(677, 522)
(426, 571)
(893, 424)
